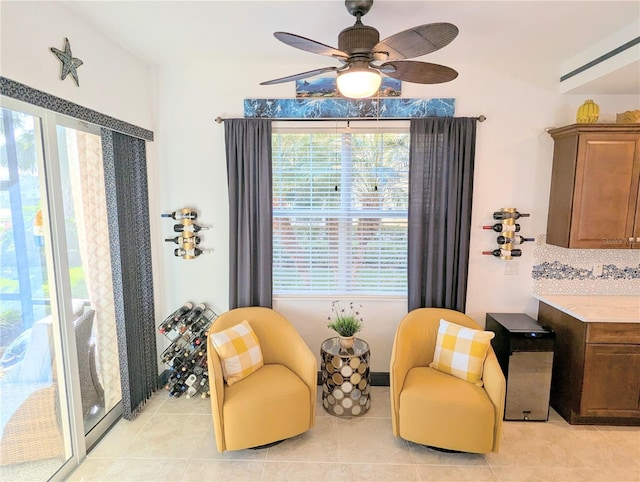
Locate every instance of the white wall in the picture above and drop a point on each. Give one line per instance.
(112, 81)
(30, 29)
(513, 166)
(513, 156)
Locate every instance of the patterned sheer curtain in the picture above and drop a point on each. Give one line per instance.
(441, 164)
(128, 217)
(248, 147)
(88, 187)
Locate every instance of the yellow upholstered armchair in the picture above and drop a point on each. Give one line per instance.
(437, 409)
(275, 402)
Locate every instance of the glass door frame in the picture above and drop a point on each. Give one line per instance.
(57, 262)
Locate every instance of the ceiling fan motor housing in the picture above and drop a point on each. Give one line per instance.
(359, 48)
(358, 40)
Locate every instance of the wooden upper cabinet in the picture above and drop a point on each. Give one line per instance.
(594, 202)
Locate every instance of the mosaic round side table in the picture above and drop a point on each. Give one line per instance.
(346, 378)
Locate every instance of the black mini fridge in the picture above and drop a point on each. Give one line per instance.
(525, 352)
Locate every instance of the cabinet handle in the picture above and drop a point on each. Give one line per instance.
(632, 239)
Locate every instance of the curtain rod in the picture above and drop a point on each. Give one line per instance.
(220, 120)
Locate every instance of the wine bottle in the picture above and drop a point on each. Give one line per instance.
(204, 384)
(194, 228)
(513, 239)
(501, 215)
(204, 388)
(174, 325)
(180, 240)
(191, 380)
(178, 362)
(180, 345)
(502, 253)
(182, 214)
(191, 391)
(196, 354)
(172, 381)
(181, 312)
(193, 325)
(187, 253)
(195, 314)
(167, 323)
(198, 330)
(193, 358)
(177, 390)
(168, 354)
(503, 228)
(200, 325)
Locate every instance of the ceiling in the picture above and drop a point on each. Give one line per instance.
(491, 32)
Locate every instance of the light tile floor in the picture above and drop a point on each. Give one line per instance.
(172, 440)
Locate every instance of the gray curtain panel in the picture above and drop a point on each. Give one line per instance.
(441, 163)
(128, 215)
(248, 147)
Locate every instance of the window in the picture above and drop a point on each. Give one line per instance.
(340, 211)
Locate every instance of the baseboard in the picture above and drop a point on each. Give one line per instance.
(378, 379)
(163, 378)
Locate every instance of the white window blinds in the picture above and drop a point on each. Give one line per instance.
(340, 212)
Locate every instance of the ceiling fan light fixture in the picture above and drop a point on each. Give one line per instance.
(358, 82)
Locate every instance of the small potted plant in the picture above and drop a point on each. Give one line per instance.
(346, 323)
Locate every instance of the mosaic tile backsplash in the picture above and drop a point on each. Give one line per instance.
(565, 271)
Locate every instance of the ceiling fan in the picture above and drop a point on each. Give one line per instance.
(364, 57)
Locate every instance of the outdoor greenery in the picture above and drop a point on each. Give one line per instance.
(340, 212)
(20, 193)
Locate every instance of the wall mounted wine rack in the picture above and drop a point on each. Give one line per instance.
(187, 233)
(508, 237)
(187, 328)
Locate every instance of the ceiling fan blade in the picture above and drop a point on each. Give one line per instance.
(302, 75)
(309, 45)
(415, 41)
(418, 72)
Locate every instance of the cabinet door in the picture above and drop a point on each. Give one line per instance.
(606, 191)
(611, 384)
(635, 194)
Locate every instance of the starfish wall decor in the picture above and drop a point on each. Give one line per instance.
(69, 64)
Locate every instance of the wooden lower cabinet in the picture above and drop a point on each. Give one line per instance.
(611, 380)
(596, 369)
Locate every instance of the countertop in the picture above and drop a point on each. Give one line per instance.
(614, 309)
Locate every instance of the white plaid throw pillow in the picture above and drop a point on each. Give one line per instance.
(239, 351)
(460, 351)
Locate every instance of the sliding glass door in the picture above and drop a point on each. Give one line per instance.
(89, 267)
(35, 430)
(59, 370)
